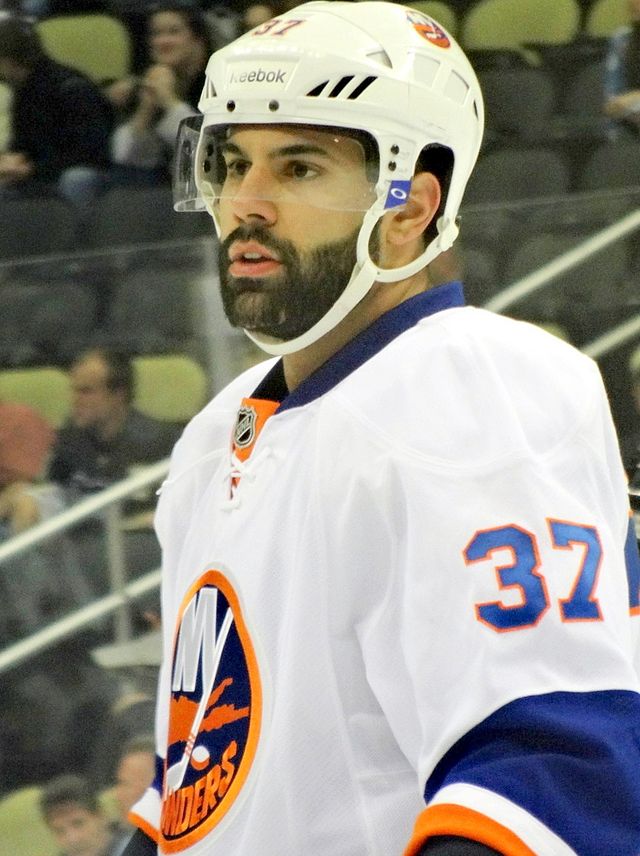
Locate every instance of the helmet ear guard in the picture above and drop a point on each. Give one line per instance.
(376, 68)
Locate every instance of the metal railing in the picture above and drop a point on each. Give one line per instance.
(107, 506)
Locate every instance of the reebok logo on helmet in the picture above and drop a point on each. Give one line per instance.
(259, 75)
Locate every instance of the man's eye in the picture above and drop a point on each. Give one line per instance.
(299, 169)
(237, 168)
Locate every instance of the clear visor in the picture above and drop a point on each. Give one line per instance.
(315, 166)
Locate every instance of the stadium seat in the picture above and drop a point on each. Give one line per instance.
(170, 387)
(44, 322)
(32, 227)
(597, 281)
(151, 308)
(22, 829)
(109, 803)
(511, 24)
(604, 17)
(518, 103)
(46, 389)
(612, 166)
(514, 175)
(579, 122)
(98, 45)
(583, 90)
(128, 216)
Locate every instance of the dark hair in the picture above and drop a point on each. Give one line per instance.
(68, 790)
(139, 743)
(120, 375)
(438, 160)
(19, 41)
(192, 16)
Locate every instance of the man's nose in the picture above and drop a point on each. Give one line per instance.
(254, 199)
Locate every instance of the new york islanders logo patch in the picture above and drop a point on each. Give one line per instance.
(215, 713)
(428, 29)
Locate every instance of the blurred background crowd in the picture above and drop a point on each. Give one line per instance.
(111, 336)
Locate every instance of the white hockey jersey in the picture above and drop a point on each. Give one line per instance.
(398, 605)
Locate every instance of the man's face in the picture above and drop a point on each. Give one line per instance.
(170, 39)
(290, 210)
(78, 831)
(93, 402)
(135, 774)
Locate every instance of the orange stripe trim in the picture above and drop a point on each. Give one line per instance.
(635, 610)
(144, 825)
(449, 819)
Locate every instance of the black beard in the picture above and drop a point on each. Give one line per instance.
(288, 304)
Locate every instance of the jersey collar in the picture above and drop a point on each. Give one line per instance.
(360, 349)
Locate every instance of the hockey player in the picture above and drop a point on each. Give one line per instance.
(398, 606)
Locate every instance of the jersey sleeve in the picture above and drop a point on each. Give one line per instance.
(501, 649)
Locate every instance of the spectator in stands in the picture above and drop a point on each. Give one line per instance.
(73, 813)
(262, 11)
(136, 769)
(134, 665)
(60, 122)
(622, 73)
(105, 434)
(26, 440)
(167, 92)
(31, 594)
(258, 13)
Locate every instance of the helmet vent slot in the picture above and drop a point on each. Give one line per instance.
(360, 88)
(317, 90)
(345, 87)
(209, 89)
(340, 85)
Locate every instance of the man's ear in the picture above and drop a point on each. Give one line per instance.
(409, 222)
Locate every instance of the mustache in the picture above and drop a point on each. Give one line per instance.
(261, 234)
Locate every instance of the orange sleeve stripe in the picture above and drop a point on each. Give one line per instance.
(144, 825)
(449, 819)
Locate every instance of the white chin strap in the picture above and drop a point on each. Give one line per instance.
(364, 274)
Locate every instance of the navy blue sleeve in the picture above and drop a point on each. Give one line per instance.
(560, 757)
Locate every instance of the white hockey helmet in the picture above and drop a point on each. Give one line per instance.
(375, 67)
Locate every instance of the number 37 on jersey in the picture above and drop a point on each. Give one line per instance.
(523, 596)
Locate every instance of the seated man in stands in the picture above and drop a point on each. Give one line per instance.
(32, 594)
(60, 122)
(26, 439)
(105, 435)
(136, 770)
(74, 815)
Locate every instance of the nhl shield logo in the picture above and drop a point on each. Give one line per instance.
(245, 431)
(215, 713)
